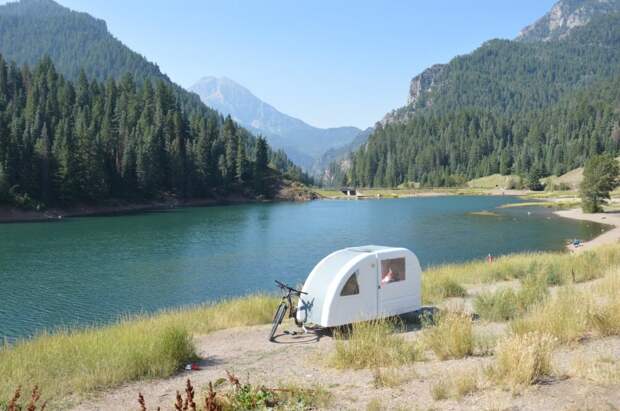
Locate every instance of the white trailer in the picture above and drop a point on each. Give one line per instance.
(361, 284)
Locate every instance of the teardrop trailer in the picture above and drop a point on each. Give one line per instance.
(352, 285)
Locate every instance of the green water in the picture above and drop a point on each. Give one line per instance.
(91, 270)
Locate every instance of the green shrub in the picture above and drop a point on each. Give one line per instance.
(437, 289)
(506, 304)
(500, 305)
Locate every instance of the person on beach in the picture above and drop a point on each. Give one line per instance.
(489, 258)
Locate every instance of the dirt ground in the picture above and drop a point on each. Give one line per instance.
(302, 360)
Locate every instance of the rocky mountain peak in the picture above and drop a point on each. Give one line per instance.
(419, 85)
(423, 82)
(564, 16)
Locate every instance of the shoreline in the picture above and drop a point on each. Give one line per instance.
(386, 193)
(611, 219)
(10, 215)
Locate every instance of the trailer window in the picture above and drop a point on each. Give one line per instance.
(351, 287)
(392, 270)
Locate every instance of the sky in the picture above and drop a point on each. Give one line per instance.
(328, 62)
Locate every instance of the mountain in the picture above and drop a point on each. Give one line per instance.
(566, 15)
(303, 143)
(31, 29)
(327, 170)
(78, 43)
(544, 101)
(83, 118)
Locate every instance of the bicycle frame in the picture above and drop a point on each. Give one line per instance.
(286, 303)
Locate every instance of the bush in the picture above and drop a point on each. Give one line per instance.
(522, 360)
(437, 289)
(451, 336)
(464, 383)
(373, 344)
(439, 390)
(600, 177)
(500, 305)
(506, 304)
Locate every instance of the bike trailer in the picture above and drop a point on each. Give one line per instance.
(361, 284)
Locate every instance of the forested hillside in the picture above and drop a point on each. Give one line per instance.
(64, 142)
(129, 115)
(31, 29)
(509, 107)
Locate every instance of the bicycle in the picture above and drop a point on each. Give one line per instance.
(285, 304)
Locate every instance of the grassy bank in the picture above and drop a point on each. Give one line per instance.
(551, 267)
(80, 361)
(70, 363)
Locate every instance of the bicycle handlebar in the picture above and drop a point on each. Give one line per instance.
(282, 285)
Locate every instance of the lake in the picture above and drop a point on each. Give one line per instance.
(91, 270)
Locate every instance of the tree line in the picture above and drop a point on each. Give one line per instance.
(65, 142)
(509, 107)
(447, 149)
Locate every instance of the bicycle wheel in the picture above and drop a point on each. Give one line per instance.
(277, 319)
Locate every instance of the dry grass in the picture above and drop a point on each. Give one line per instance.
(391, 377)
(436, 289)
(78, 361)
(555, 267)
(450, 335)
(506, 303)
(604, 369)
(574, 313)
(565, 317)
(464, 383)
(373, 344)
(456, 384)
(522, 360)
(440, 390)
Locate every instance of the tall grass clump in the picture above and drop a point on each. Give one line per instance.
(373, 344)
(505, 304)
(604, 317)
(564, 317)
(522, 360)
(77, 361)
(436, 289)
(450, 335)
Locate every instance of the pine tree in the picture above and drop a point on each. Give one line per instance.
(261, 167)
(600, 177)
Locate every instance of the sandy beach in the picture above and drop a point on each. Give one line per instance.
(609, 237)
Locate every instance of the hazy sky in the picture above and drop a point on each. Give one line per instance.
(330, 63)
